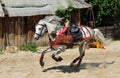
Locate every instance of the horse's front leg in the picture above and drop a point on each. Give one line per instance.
(42, 55)
(59, 50)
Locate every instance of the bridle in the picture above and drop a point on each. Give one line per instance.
(43, 25)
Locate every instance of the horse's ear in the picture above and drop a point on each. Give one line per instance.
(44, 24)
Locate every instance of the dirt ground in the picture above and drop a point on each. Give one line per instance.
(97, 63)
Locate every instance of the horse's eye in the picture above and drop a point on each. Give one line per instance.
(39, 28)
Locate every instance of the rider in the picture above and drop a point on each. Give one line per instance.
(76, 33)
(61, 37)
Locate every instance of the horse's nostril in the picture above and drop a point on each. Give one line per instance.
(36, 38)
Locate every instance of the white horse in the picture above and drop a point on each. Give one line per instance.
(45, 25)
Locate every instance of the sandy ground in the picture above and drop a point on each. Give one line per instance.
(97, 63)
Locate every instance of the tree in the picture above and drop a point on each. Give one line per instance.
(65, 13)
(105, 8)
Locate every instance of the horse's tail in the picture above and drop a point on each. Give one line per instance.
(100, 37)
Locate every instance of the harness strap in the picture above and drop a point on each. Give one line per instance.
(86, 29)
(86, 38)
(38, 34)
(49, 38)
(83, 30)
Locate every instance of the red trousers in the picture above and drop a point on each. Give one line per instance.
(62, 40)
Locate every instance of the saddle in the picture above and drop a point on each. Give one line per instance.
(76, 33)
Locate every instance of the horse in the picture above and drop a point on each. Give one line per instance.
(46, 26)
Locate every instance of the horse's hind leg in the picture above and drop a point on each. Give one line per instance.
(82, 48)
(74, 61)
(42, 55)
(80, 59)
(59, 50)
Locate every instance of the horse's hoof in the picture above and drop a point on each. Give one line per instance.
(57, 59)
(60, 58)
(42, 64)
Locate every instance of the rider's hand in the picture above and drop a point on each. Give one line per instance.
(67, 23)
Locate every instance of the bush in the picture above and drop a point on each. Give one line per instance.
(1, 52)
(102, 8)
(65, 13)
(29, 47)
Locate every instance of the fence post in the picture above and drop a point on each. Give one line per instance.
(4, 33)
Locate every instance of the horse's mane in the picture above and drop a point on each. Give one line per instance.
(52, 18)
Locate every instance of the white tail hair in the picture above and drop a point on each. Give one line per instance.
(100, 37)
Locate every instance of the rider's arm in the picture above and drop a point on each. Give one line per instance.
(64, 28)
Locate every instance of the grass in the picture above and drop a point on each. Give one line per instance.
(29, 47)
(1, 52)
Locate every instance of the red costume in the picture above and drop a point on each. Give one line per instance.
(61, 38)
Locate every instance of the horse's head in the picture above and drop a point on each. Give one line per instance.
(49, 24)
(40, 29)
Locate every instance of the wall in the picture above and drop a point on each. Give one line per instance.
(16, 31)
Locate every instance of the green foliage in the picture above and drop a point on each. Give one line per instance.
(105, 8)
(29, 47)
(1, 52)
(64, 13)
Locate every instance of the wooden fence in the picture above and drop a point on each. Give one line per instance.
(16, 31)
(108, 31)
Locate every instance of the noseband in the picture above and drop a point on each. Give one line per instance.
(43, 25)
(37, 34)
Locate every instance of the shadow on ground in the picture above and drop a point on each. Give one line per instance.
(68, 69)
